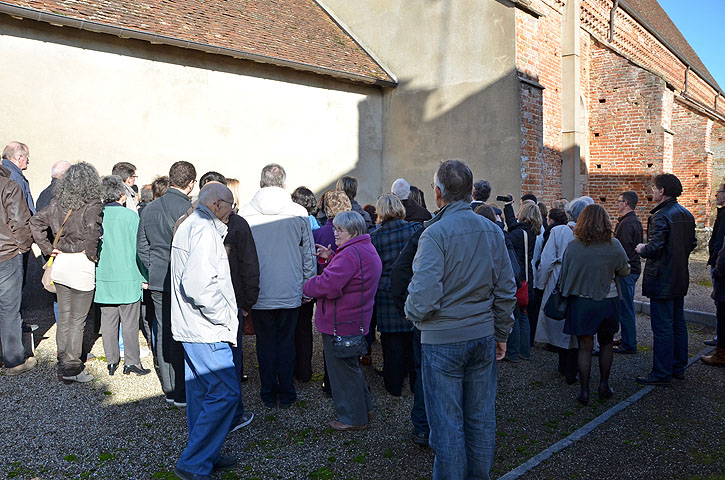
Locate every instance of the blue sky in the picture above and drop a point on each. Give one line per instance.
(701, 22)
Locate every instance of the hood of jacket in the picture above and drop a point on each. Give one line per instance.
(276, 201)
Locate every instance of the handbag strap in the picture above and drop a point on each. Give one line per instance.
(362, 299)
(60, 230)
(526, 254)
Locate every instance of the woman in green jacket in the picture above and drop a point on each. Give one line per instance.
(119, 279)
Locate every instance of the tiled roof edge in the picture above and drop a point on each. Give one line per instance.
(345, 28)
(635, 14)
(97, 27)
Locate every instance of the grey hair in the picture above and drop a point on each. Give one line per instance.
(13, 150)
(401, 188)
(80, 185)
(212, 192)
(147, 194)
(578, 205)
(113, 188)
(59, 168)
(273, 175)
(455, 181)
(353, 222)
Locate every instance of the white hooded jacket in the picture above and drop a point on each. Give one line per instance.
(285, 247)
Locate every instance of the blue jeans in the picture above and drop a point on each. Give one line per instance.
(212, 393)
(11, 325)
(628, 317)
(275, 331)
(459, 382)
(238, 357)
(670, 337)
(417, 414)
(519, 341)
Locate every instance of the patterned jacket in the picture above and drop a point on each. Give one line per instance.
(389, 239)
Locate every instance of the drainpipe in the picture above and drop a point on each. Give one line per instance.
(612, 14)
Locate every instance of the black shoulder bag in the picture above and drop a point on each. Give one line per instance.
(347, 346)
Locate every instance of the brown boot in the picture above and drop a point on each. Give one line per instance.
(717, 359)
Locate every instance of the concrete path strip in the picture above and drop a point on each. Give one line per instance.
(583, 431)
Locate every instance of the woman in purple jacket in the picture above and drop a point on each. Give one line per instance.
(345, 293)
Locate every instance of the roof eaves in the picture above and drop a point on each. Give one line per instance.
(97, 27)
(634, 14)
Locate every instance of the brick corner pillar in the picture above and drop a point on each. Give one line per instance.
(572, 109)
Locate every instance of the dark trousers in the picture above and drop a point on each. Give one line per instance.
(303, 343)
(73, 306)
(238, 358)
(669, 332)
(11, 325)
(532, 310)
(147, 318)
(275, 331)
(720, 308)
(127, 315)
(169, 352)
(417, 414)
(397, 361)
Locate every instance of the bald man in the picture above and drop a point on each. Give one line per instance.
(204, 320)
(16, 158)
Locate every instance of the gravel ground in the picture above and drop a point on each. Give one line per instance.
(121, 427)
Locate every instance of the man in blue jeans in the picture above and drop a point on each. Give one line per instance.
(629, 233)
(461, 298)
(670, 240)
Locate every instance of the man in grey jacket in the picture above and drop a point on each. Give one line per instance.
(204, 319)
(461, 297)
(286, 249)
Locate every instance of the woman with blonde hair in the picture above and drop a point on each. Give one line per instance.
(396, 333)
(523, 237)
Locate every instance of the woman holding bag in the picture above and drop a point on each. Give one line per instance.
(591, 263)
(74, 216)
(345, 293)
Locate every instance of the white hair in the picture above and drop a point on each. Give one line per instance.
(59, 168)
(213, 191)
(401, 188)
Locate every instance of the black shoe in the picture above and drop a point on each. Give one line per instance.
(184, 475)
(678, 376)
(653, 381)
(570, 380)
(285, 406)
(112, 367)
(595, 353)
(583, 397)
(606, 393)
(625, 351)
(420, 438)
(225, 462)
(710, 343)
(138, 370)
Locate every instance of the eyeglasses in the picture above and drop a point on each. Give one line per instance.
(233, 204)
(340, 231)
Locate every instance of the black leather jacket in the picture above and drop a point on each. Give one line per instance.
(670, 240)
(81, 231)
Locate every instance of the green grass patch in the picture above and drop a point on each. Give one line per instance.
(359, 458)
(322, 473)
(105, 456)
(71, 458)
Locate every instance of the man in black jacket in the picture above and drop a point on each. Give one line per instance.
(629, 233)
(155, 233)
(716, 240)
(670, 240)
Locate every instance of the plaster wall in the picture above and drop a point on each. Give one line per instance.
(458, 95)
(81, 96)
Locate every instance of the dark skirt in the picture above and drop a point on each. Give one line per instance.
(585, 316)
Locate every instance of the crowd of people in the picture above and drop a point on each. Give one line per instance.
(451, 292)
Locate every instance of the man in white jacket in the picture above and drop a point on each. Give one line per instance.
(204, 319)
(286, 249)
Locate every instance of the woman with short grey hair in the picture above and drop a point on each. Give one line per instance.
(119, 280)
(75, 213)
(345, 293)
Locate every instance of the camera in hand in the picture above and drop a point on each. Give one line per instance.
(504, 198)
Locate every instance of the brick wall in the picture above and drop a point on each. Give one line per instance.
(692, 160)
